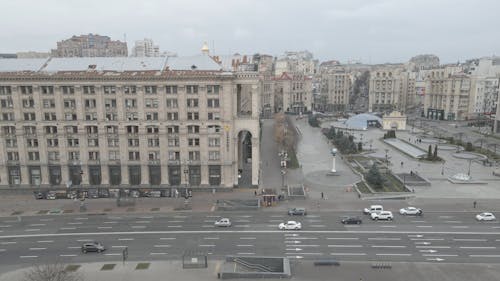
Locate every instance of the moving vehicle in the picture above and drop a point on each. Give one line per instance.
(297, 212)
(92, 247)
(384, 215)
(51, 195)
(351, 220)
(412, 211)
(485, 217)
(38, 195)
(223, 222)
(290, 225)
(373, 209)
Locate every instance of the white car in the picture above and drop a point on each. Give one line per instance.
(412, 211)
(290, 225)
(384, 215)
(485, 217)
(223, 222)
(373, 209)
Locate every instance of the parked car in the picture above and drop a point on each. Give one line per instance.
(485, 217)
(373, 209)
(351, 220)
(92, 247)
(51, 195)
(290, 225)
(38, 195)
(223, 222)
(93, 193)
(384, 215)
(154, 193)
(297, 212)
(412, 211)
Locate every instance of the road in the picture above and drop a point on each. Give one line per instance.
(435, 237)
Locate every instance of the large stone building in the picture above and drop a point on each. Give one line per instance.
(127, 122)
(293, 93)
(391, 88)
(296, 62)
(91, 45)
(335, 85)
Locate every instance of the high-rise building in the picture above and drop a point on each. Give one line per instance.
(91, 45)
(128, 122)
(145, 48)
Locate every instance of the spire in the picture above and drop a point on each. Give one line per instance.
(204, 49)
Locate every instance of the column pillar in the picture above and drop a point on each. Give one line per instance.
(125, 177)
(255, 161)
(104, 174)
(144, 174)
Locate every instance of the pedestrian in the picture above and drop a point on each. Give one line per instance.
(411, 173)
(255, 192)
(401, 163)
(322, 195)
(475, 204)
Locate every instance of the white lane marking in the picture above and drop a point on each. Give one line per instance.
(388, 226)
(172, 226)
(162, 246)
(243, 225)
(439, 255)
(345, 246)
(2, 250)
(8, 243)
(246, 253)
(46, 219)
(385, 239)
(37, 224)
(45, 241)
(84, 240)
(67, 255)
(245, 216)
(248, 238)
(145, 217)
(244, 245)
(351, 226)
(242, 221)
(74, 247)
(206, 225)
(157, 254)
(388, 246)
(418, 221)
(118, 246)
(482, 248)
(314, 216)
(110, 222)
(75, 223)
(484, 256)
(212, 216)
(460, 226)
(104, 227)
(275, 220)
(271, 225)
(32, 229)
(28, 257)
(142, 221)
(67, 228)
(342, 238)
(81, 219)
(433, 247)
(138, 226)
(211, 238)
(167, 238)
(114, 218)
(176, 221)
(424, 226)
(393, 254)
(4, 226)
(37, 249)
(302, 238)
(309, 245)
(446, 217)
(317, 225)
(206, 245)
(277, 216)
(427, 239)
(209, 221)
(453, 221)
(313, 254)
(125, 239)
(113, 254)
(348, 254)
(469, 240)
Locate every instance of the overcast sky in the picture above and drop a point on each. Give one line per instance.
(373, 31)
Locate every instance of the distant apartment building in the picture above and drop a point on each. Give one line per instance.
(91, 45)
(128, 122)
(391, 88)
(293, 93)
(32, 55)
(335, 86)
(296, 62)
(145, 48)
(422, 62)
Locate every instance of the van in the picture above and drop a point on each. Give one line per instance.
(373, 209)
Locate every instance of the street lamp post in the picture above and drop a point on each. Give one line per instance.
(442, 169)
(470, 163)
(386, 160)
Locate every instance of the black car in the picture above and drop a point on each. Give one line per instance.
(92, 247)
(39, 195)
(297, 212)
(351, 220)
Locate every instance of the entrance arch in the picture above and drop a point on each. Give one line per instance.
(245, 158)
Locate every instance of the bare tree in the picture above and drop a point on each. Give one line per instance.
(51, 272)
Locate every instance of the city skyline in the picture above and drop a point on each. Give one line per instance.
(367, 31)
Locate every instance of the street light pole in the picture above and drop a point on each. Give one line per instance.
(470, 162)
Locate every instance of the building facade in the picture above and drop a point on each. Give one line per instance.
(336, 86)
(91, 45)
(127, 122)
(145, 48)
(293, 93)
(386, 90)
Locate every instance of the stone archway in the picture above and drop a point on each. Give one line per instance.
(245, 159)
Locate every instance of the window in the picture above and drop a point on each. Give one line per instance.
(89, 90)
(8, 116)
(109, 89)
(53, 142)
(69, 103)
(51, 129)
(132, 129)
(153, 155)
(133, 142)
(54, 155)
(172, 116)
(151, 103)
(11, 142)
(32, 142)
(93, 142)
(93, 155)
(111, 116)
(150, 89)
(74, 155)
(154, 142)
(192, 103)
(173, 142)
(152, 130)
(33, 155)
(28, 103)
(214, 129)
(113, 142)
(11, 130)
(90, 103)
(132, 116)
(213, 116)
(13, 156)
(68, 90)
(213, 103)
(192, 89)
(26, 90)
(30, 130)
(171, 89)
(5, 90)
(68, 116)
(174, 155)
(213, 155)
(73, 142)
(170, 130)
(110, 103)
(91, 116)
(130, 103)
(213, 142)
(47, 90)
(49, 103)
(194, 155)
(172, 103)
(112, 129)
(193, 129)
(213, 89)
(151, 116)
(92, 129)
(133, 155)
(114, 155)
(130, 89)
(194, 142)
(193, 116)
(6, 103)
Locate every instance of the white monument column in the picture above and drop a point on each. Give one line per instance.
(334, 153)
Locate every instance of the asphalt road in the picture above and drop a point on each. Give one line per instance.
(435, 237)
